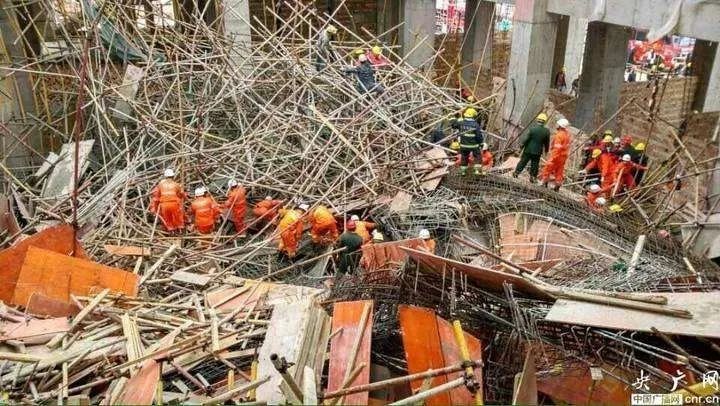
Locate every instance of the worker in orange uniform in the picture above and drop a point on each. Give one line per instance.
(625, 175)
(205, 210)
(427, 244)
(486, 157)
(592, 195)
(266, 210)
(324, 229)
(606, 162)
(559, 150)
(237, 205)
(290, 229)
(167, 202)
(363, 228)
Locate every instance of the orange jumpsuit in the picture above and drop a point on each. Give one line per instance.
(606, 164)
(363, 228)
(206, 212)
(487, 159)
(591, 199)
(555, 165)
(238, 206)
(624, 172)
(167, 202)
(290, 229)
(266, 210)
(427, 246)
(324, 227)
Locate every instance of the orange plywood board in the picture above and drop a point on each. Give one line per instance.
(452, 356)
(386, 255)
(57, 276)
(59, 239)
(346, 316)
(140, 389)
(243, 299)
(421, 341)
(573, 386)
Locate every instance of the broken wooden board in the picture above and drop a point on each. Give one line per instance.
(34, 331)
(59, 239)
(702, 305)
(429, 343)
(346, 317)
(525, 390)
(574, 386)
(386, 254)
(61, 179)
(57, 276)
(127, 250)
(8, 222)
(191, 278)
(48, 163)
(437, 166)
(43, 306)
(127, 90)
(484, 277)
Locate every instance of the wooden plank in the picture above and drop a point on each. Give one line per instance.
(60, 239)
(34, 331)
(60, 180)
(191, 278)
(127, 250)
(573, 386)
(57, 276)
(140, 389)
(452, 356)
(526, 388)
(347, 316)
(43, 306)
(421, 342)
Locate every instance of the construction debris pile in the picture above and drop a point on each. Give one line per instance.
(103, 305)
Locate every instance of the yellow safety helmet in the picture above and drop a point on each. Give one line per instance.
(455, 145)
(608, 132)
(640, 146)
(376, 50)
(615, 208)
(542, 117)
(471, 99)
(470, 113)
(596, 153)
(358, 52)
(608, 139)
(331, 29)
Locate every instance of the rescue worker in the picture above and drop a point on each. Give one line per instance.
(266, 210)
(560, 82)
(324, 227)
(486, 157)
(290, 229)
(555, 165)
(605, 163)
(365, 77)
(363, 228)
(237, 205)
(533, 146)
(593, 143)
(640, 159)
(205, 210)
(352, 242)
(592, 168)
(616, 145)
(592, 195)
(377, 236)
(471, 137)
(324, 50)
(167, 200)
(376, 57)
(355, 56)
(600, 204)
(625, 174)
(427, 244)
(626, 147)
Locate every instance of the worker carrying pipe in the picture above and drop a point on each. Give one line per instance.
(167, 202)
(560, 147)
(533, 146)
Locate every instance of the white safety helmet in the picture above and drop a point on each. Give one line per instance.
(362, 58)
(268, 197)
(616, 140)
(626, 158)
(232, 183)
(169, 173)
(354, 217)
(600, 201)
(304, 207)
(484, 146)
(424, 234)
(563, 123)
(595, 188)
(200, 191)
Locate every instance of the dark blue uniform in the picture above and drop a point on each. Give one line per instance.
(366, 78)
(471, 139)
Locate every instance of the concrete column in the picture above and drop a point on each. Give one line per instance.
(603, 74)
(418, 32)
(575, 48)
(531, 58)
(236, 19)
(478, 43)
(706, 66)
(388, 16)
(560, 43)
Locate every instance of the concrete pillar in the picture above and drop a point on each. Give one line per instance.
(531, 58)
(575, 48)
(706, 66)
(560, 43)
(418, 32)
(388, 16)
(478, 43)
(236, 19)
(603, 74)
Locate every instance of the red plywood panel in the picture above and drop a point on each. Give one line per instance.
(41, 305)
(57, 276)
(347, 315)
(421, 341)
(452, 356)
(382, 255)
(141, 387)
(59, 239)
